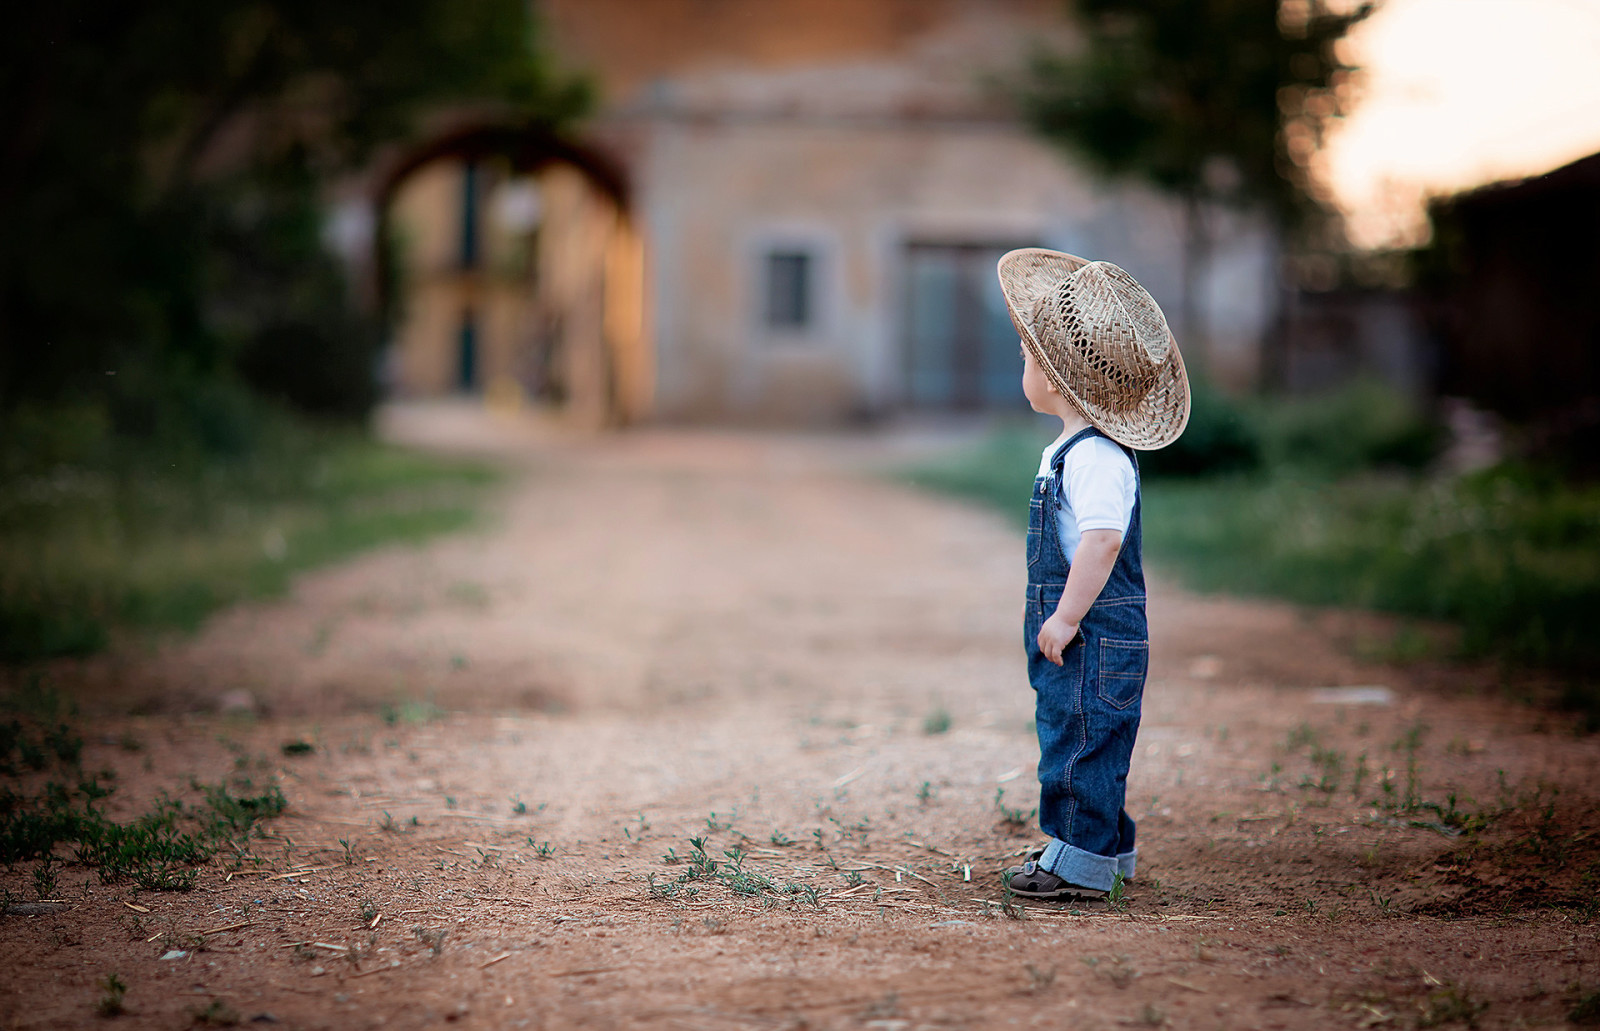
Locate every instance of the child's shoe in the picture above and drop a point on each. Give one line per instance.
(1125, 864)
(1031, 856)
(1030, 881)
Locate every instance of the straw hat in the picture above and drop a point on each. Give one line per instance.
(1102, 340)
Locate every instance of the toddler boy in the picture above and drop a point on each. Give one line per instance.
(1097, 354)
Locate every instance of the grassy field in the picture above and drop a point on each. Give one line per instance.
(99, 535)
(1511, 557)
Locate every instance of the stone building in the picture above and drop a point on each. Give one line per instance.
(815, 194)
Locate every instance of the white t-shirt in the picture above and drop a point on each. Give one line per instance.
(1098, 486)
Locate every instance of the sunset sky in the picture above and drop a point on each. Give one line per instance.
(1459, 93)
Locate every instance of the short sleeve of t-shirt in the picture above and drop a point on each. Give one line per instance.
(1098, 487)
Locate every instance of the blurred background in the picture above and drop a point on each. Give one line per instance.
(229, 230)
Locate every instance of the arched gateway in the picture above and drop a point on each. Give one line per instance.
(508, 268)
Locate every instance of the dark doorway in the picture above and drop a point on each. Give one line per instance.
(960, 348)
(467, 353)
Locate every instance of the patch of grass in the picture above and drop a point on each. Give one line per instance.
(936, 722)
(1510, 555)
(1510, 559)
(1454, 816)
(998, 471)
(101, 533)
(158, 849)
(728, 872)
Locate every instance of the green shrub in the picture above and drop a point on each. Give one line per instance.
(1515, 563)
(1222, 437)
(1364, 425)
(1337, 515)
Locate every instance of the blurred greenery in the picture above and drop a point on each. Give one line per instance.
(1334, 501)
(1174, 91)
(1511, 558)
(1215, 102)
(181, 345)
(100, 532)
(165, 169)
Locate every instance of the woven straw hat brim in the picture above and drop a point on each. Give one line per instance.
(1157, 420)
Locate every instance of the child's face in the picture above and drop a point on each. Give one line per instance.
(1036, 386)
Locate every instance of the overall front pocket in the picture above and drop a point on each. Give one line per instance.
(1123, 665)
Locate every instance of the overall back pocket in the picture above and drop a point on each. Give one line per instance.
(1123, 665)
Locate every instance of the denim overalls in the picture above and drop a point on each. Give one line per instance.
(1087, 709)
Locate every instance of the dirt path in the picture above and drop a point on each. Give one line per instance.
(751, 642)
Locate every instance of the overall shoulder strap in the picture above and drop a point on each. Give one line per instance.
(1060, 457)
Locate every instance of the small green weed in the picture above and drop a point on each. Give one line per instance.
(217, 1014)
(1011, 816)
(1585, 1009)
(1451, 1004)
(1118, 971)
(110, 1004)
(936, 722)
(433, 939)
(45, 880)
(728, 872)
(1117, 897)
(238, 814)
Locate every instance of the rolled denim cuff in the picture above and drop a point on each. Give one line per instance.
(1127, 862)
(1075, 866)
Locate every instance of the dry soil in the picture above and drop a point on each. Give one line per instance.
(759, 644)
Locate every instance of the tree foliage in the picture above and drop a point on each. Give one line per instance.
(1211, 100)
(163, 168)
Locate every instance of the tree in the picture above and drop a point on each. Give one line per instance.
(1212, 101)
(161, 166)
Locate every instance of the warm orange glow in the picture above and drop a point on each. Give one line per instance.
(1458, 93)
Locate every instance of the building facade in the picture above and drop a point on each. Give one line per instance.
(819, 190)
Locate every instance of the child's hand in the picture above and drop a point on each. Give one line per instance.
(1055, 636)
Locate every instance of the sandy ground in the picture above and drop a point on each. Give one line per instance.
(755, 642)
